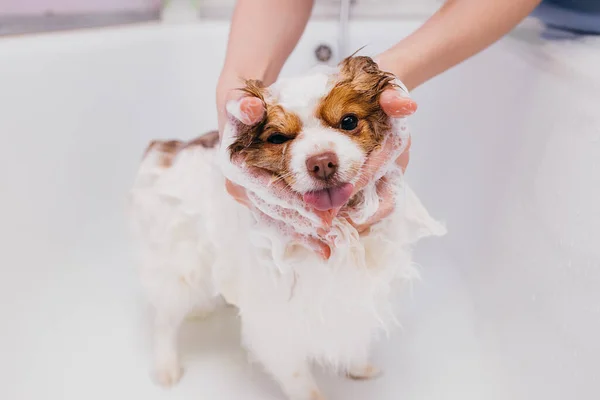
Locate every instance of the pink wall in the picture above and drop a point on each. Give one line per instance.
(32, 7)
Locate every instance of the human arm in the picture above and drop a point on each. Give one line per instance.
(263, 34)
(458, 30)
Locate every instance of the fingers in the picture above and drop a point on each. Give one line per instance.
(318, 245)
(238, 193)
(248, 110)
(252, 110)
(278, 188)
(387, 204)
(284, 219)
(395, 105)
(290, 217)
(404, 158)
(266, 179)
(377, 159)
(226, 93)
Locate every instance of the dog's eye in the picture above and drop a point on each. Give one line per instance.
(349, 122)
(277, 138)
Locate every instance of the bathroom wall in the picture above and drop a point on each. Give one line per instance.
(29, 16)
(331, 8)
(36, 7)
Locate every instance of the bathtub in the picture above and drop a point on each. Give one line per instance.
(506, 152)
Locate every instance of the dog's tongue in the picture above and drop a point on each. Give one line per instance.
(328, 199)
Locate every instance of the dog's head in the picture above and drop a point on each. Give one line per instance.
(318, 129)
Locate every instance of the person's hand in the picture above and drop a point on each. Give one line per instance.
(396, 105)
(287, 220)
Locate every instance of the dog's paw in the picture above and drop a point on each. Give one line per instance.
(314, 394)
(199, 315)
(364, 372)
(168, 374)
(206, 310)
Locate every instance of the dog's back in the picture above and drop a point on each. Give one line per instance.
(177, 190)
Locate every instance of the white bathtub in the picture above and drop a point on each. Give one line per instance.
(506, 151)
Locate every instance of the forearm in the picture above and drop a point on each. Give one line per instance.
(460, 29)
(263, 34)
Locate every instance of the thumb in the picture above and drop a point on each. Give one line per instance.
(395, 105)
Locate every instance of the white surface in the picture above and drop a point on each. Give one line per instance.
(331, 8)
(506, 149)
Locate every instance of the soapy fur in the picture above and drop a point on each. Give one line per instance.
(199, 247)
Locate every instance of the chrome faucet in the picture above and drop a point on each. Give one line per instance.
(324, 52)
(343, 28)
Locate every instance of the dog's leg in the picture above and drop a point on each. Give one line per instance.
(206, 308)
(294, 376)
(300, 385)
(363, 370)
(284, 362)
(167, 370)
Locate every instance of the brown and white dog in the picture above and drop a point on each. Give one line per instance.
(199, 247)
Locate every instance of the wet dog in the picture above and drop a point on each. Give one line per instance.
(199, 248)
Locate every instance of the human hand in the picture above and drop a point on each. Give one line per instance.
(287, 220)
(395, 104)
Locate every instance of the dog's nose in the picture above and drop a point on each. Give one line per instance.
(322, 166)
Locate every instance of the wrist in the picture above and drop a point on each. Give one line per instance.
(232, 78)
(236, 71)
(227, 82)
(402, 66)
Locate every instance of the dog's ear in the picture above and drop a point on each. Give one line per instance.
(365, 75)
(358, 86)
(247, 115)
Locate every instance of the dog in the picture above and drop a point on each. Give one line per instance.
(200, 249)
